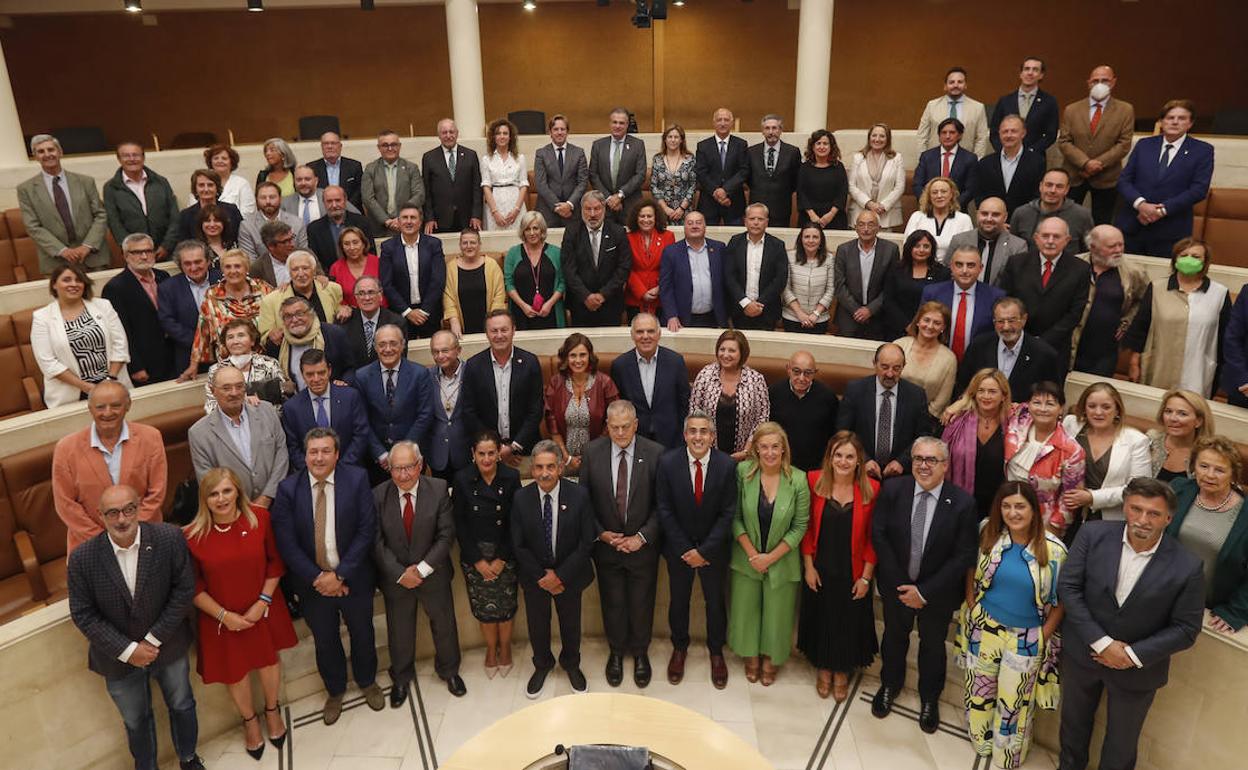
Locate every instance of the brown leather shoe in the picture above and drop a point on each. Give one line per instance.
(676, 666)
(333, 709)
(719, 672)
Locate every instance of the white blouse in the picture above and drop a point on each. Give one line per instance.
(504, 171)
(237, 191)
(958, 223)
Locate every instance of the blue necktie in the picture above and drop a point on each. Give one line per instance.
(390, 386)
(322, 419)
(307, 211)
(548, 527)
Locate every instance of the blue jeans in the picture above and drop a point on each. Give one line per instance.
(133, 696)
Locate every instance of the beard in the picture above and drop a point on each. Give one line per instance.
(1106, 262)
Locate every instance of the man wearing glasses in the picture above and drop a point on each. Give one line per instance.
(279, 243)
(390, 183)
(362, 326)
(300, 331)
(806, 409)
(133, 294)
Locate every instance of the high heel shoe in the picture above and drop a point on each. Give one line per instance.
(491, 671)
(257, 752)
(278, 740)
(505, 668)
(768, 675)
(751, 670)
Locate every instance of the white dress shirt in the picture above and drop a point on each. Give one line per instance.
(412, 253)
(423, 567)
(314, 208)
(1007, 357)
(240, 433)
(331, 533)
(281, 273)
(1092, 108)
(137, 187)
(700, 273)
(866, 259)
(969, 299)
(693, 471)
(128, 562)
(1130, 567)
(1009, 166)
(753, 269)
(1174, 153)
(502, 386)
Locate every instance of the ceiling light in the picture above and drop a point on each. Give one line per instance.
(678, 3)
(530, 5)
(134, 6)
(255, 5)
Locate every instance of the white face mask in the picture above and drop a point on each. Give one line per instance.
(240, 361)
(1099, 91)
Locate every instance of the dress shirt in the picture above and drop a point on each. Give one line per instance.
(1174, 153)
(693, 470)
(969, 299)
(240, 433)
(1043, 259)
(753, 269)
(700, 272)
(502, 386)
(327, 403)
(423, 567)
(1130, 567)
(199, 290)
(931, 506)
(281, 273)
(137, 187)
(1092, 107)
(332, 170)
(49, 180)
(112, 459)
(331, 522)
(314, 208)
(128, 562)
(879, 404)
(771, 155)
(148, 282)
(866, 258)
(1009, 166)
(1007, 356)
(296, 370)
(449, 385)
(554, 512)
(647, 369)
(412, 252)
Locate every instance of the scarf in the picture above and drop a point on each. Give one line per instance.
(313, 338)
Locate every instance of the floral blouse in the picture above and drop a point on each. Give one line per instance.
(753, 401)
(1057, 467)
(217, 311)
(676, 190)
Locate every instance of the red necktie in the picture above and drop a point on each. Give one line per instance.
(944, 164)
(408, 514)
(1096, 117)
(959, 328)
(1048, 271)
(697, 481)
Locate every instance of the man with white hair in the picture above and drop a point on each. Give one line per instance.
(62, 211)
(133, 293)
(1052, 284)
(1113, 298)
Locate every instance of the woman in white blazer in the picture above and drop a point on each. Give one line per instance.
(77, 341)
(1113, 453)
(877, 178)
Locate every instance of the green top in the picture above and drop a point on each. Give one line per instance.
(788, 523)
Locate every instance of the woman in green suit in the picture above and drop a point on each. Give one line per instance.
(773, 507)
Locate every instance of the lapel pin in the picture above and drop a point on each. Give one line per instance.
(1026, 358)
(563, 506)
(147, 548)
(948, 501)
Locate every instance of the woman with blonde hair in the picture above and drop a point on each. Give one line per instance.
(1114, 453)
(1184, 418)
(938, 214)
(930, 363)
(975, 433)
(236, 295)
(877, 178)
(533, 277)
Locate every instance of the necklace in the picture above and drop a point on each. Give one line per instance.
(1220, 505)
(224, 529)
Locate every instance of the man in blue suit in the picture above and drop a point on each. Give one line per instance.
(971, 309)
(446, 445)
(398, 396)
(332, 567)
(179, 299)
(324, 405)
(691, 279)
(958, 166)
(420, 304)
(1164, 178)
(1036, 107)
(661, 396)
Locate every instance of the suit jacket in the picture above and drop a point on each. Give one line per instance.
(396, 281)
(777, 188)
(632, 172)
(676, 282)
(452, 202)
(731, 175)
(47, 229)
(111, 618)
(1037, 361)
(1007, 246)
(410, 414)
(49, 344)
(961, 171)
(891, 186)
(347, 416)
(1234, 348)
(1024, 187)
(433, 529)
(1184, 184)
(660, 420)
(973, 116)
(773, 276)
(555, 186)
(575, 534)
(597, 461)
(355, 525)
(358, 353)
(291, 205)
(1053, 311)
(910, 417)
(1161, 616)
(706, 527)
(1110, 144)
(188, 230)
(126, 214)
(212, 447)
(178, 313)
(790, 514)
(446, 444)
(985, 295)
(948, 552)
(615, 260)
(524, 407)
(329, 295)
(150, 349)
(1041, 121)
(350, 179)
(847, 280)
(409, 190)
(322, 242)
(335, 353)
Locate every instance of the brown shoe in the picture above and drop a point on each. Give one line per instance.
(823, 685)
(840, 687)
(751, 670)
(374, 697)
(719, 672)
(333, 709)
(676, 666)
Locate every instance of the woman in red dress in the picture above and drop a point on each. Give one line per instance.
(243, 619)
(355, 260)
(647, 237)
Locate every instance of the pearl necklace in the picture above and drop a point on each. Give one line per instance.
(224, 529)
(1220, 505)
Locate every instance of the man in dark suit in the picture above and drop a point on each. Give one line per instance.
(1023, 358)
(772, 172)
(133, 636)
(618, 470)
(280, 241)
(1037, 108)
(208, 186)
(134, 293)
(156, 215)
(696, 492)
(446, 444)
(886, 412)
(398, 396)
(178, 300)
(413, 555)
(323, 233)
(1164, 178)
(948, 160)
(299, 331)
(691, 279)
(660, 397)
(969, 299)
(596, 262)
(924, 533)
(552, 535)
(722, 169)
(806, 409)
(452, 182)
(502, 390)
(1024, 166)
(369, 316)
(756, 271)
(993, 238)
(324, 405)
(333, 170)
(1052, 284)
(617, 167)
(560, 175)
(332, 567)
(859, 302)
(418, 299)
(1133, 598)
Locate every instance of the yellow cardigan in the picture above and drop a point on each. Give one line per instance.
(330, 295)
(497, 297)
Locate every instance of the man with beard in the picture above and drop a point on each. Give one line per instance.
(268, 209)
(1113, 297)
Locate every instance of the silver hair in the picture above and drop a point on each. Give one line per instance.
(391, 327)
(772, 116)
(1098, 232)
(546, 446)
(410, 445)
(644, 317)
(288, 155)
(186, 246)
(622, 407)
(134, 238)
(933, 440)
(762, 206)
(370, 278)
(310, 257)
(528, 218)
(39, 139)
(594, 195)
(698, 414)
(216, 371)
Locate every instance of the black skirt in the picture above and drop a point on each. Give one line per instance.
(835, 631)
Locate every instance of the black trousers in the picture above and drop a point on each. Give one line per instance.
(714, 579)
(425, 330)
(435, 595)
(607, 315)
(1144, 242)
(703, 321)
(1082, 685)
(626, 584)
(322, 614)
(537, 603)
(742, 321)
(933, 623)
(1103, 202)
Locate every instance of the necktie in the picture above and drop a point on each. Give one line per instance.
(615, 164)
(392, 182)
(318, 526)
(1161, 166)
(1046, 274)
(621, 488)
(390, 386)
(594, 240)
(771, 160)
(1096, 117)
(548, 527)
(1025, 107)
(408, 515)
(370, 327)
(944, 164)
(959, 328)
(697, 481)
(62, 207)
(307, 211)
(560, 161)
(322, 419)
(953, 108)
(450, 164)
(884, 428)
(723, 154)
(918, 522)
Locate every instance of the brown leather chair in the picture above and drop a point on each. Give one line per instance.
(26, 255)
(1226, 227)
(19, 390)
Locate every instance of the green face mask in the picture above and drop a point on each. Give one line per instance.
(1189, 265)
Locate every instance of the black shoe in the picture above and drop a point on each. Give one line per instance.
(280, 740)
(537, 683)
(882, 703)
(577, 680)
(641, 671)
(194, 763)
(398, 694)
(455, 686)
(615, 669)
(929, 717)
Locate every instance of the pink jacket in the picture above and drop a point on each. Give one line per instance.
(1058, 467)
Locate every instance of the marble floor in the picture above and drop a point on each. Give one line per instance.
(788, 723)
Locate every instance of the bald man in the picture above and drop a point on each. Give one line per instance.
(1113, 298)
(1053, 284)
(1013, 173)
(806, 408)
(722, 169)
(1095, 137)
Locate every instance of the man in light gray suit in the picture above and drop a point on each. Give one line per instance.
(63, 212)
(954, 103)
(390, 183)
(859, 307)
(248, 439)
(268, 209)
(560, 173)
(307, 203)
(994, 240)
(617, 167)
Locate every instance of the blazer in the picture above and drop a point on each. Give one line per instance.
(452, 202)
(596, 472)
(554, 186)
(1037, 361)
(446, 444)
(789, 517)
(615, 260)
(358, 352)
(1161, 616)
(396, 280)
(632, 172)
(1110, 144)
(861, 549)
(524, 406)
(776, 189)
(1041, 121)
(961, 171)
(687, 525)
(47, 230)
(335, 353)
(981, 320)
(178, 313)
(847, 286)
(1228, 596)
(644, 273)
(50, 346)
(80, 476)
(948, 552)
(150, 350)
(1234, 350)
(1024, 187)
(102, 607)
(662, 417)
(126, 215)
(495, 293)
(731, 175)
(409, 190)
(347, 416)
(330, 296)
(1184, 184)
(676, 282)
(556, 398)
(350, 179)
(324, 244)
(753, 400)
(973, 116)
(892, 185)
(1007, 246)
(212, 447)
(291, 205)
(189, 230)
(1053, 311)
(355, 525)
(483, 512)
(772, 280)
(408, 417)
(910, 417)
(249, 239)
(1130, 456)
(433, 529)
(575, 534)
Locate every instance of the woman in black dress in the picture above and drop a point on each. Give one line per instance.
(534, 277)
(836, 630)
(975, 433)
(905, 281)
(822, 184)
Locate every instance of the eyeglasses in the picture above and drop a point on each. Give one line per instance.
(926, 460)
(366, 292)
(405, 468)
(285, 240)
(388, 145)
(128, 511)
(802, 372)
(140, 252)
(293, 315)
